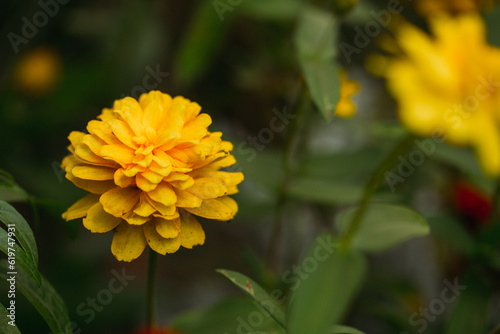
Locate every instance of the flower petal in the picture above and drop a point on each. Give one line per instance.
(230, 179)
(95, 187)
(131, 112)
(208, 187)
(163, 194)
(144, 184)
(119, 201)
(123, 180)
(119, 153)
(168, 228)
(99, 221)
(96, 173)
(123, 132)
(214, 209)
(192, 233)
(158, 243)
(79, 209)
(144, 208)
(128, 242)
(186, 199)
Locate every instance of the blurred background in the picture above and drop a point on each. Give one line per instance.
(62, 63)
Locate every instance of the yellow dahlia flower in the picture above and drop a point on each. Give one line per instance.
(345, 107)
(432, 7)
(449, 84)
(151, 166)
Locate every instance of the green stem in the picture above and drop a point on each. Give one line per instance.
(287, 163)
(150, 302)
(372, 185)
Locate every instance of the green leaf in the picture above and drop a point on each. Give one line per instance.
(450, 230)
(21, 258)
(492, 20)
(201, 42)
(235, 315)
(24, 234)
(315, 41)
(470, 311)
(383, 226)
(9, 190)
(271, 9)
(330, 279)
(5, 328)
(268, 303)
(324, 191)
(44, 298)
(344, 330)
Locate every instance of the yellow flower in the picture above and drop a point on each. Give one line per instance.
(449, 84)
(151, 166)
(345, 107)
(432, 7)
(38, 71)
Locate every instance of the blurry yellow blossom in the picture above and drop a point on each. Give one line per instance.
(38, 71)
(432, 7)
(449, 83)
(151, 166)
(345, 106)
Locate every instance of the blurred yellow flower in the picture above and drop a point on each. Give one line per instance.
(38, 71)
(151, 166)
(432, 7)
(345, 107)
(449, 83)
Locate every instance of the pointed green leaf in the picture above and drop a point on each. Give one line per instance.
(232, 315)
(315, 41)
(5, 328)
(383, 226)
(24, 234)
(44, 298)
(258, 293)
(22, 260)
(470, 309)
(329, 281)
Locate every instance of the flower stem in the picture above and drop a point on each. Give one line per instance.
(372, 185)
(276, 240)
(151, 302)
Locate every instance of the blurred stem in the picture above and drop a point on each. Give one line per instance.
(372, 185)
(276, 240)
(150, 302)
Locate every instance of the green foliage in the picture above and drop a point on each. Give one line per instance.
(268, 303)
(9, 190)
(44, 298)
(315, 40)
(469, 314)
(324, 297)
(23, 232)
(344, 330)
(228, 316)
(383, 226)
(5, 328)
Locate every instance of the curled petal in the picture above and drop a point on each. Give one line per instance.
(119, 201)
(218, 208)
(158, 243)
(192, 233)
(128, 242)
(79, 209)
(168, 228)
(99, 221)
